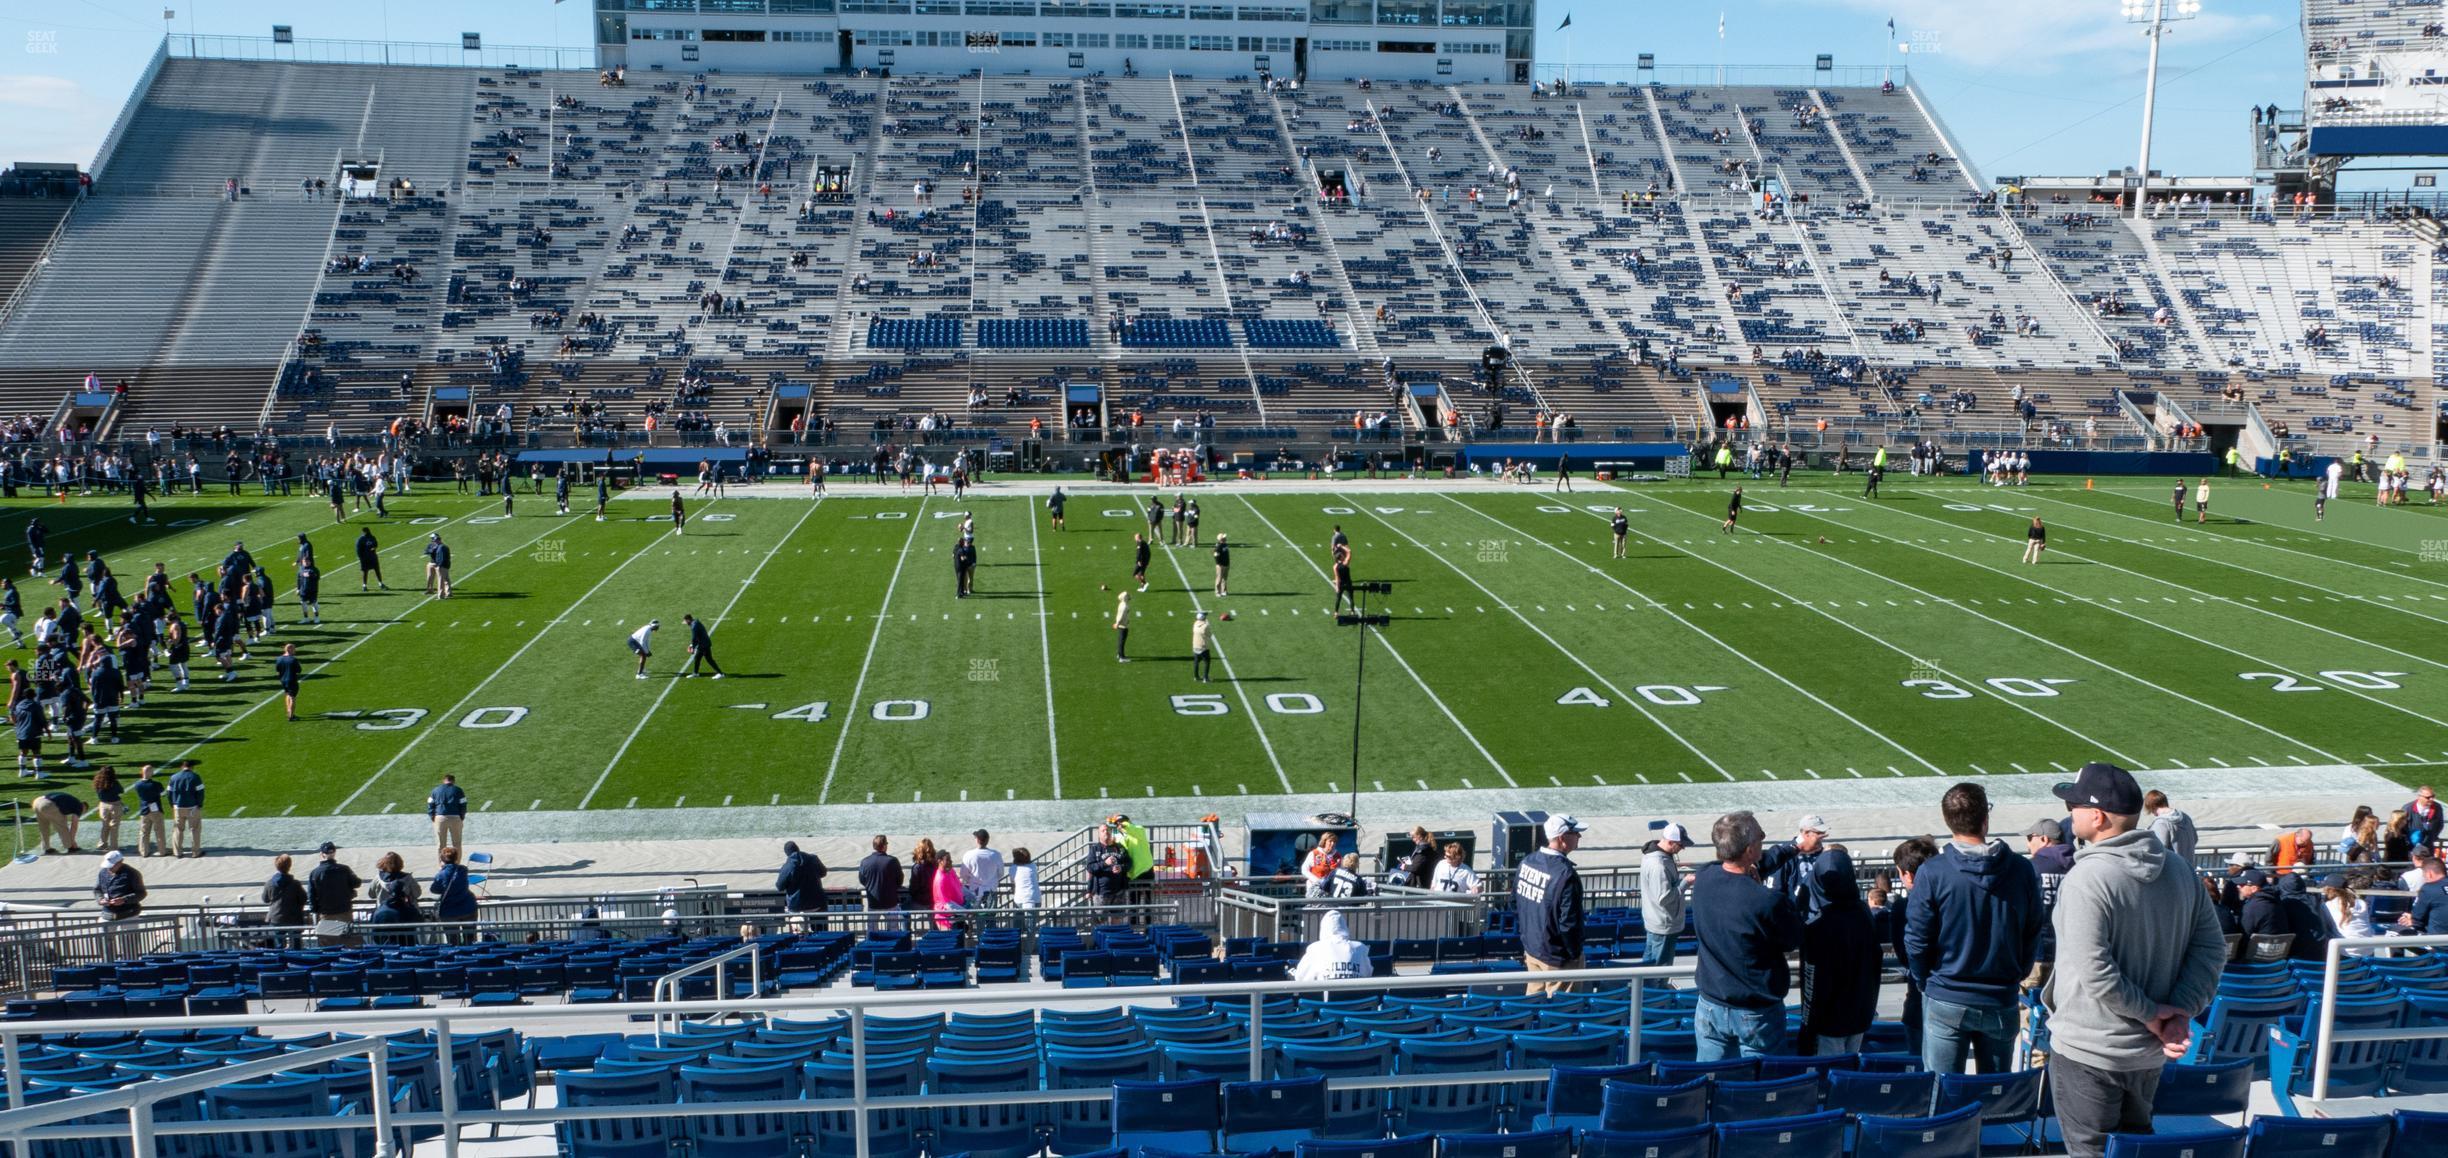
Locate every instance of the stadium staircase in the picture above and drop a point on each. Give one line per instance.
(28, 227)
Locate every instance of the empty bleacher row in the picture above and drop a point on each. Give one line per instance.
(585, 229)
(1326, 1073)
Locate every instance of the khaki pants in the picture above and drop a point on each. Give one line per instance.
(1548, 988)
(187, 832)
(48, 819)
(107, 813)
(447, 832)
(149, 837)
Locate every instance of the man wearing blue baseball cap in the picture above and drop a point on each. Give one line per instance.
(2138, 956)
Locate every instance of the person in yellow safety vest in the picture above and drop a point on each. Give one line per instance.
(2358, 466)
(1881, 461)
(1725, 460)
(2232, 456)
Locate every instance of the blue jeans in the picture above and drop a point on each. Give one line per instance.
(1724, 1031)
(1661, 950)
(1949, 1031)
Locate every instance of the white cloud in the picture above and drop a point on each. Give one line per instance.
(2037, 37)
(52, 118)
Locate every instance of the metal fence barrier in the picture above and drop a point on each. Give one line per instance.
(21, 1122)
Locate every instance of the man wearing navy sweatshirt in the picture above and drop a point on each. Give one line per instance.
(1745, 929)
(1971, 933)
(1547, 905)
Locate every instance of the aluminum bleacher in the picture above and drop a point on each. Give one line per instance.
(1214, 245)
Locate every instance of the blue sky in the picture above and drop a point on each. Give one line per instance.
(2028, 87)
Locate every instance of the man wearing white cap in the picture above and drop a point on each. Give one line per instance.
(120, 890)
(1661, 892)
(1787, 866)
(1547, 905)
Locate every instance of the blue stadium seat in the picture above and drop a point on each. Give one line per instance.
(2226, 1143)
(2192, 1097)
(284, 1096)
(1274, 1114)
(1774, 1098)
(1576, 1095)
(2010, 1104)
(1088, 1125)
(1350, 1113)
(1820, 1135)
(1955, 1134)
(1446, 1108)
(2271, 1136)
(1520, 1144)
(2421, 1132)
(892, 1133)
(1689, 1142)
(1421, 1146)
(1890, 1095)
(1635, 1106)
(1183, 1115)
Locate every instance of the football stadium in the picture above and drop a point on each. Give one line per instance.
(1528, 609)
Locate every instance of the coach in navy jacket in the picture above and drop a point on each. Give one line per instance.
(1971, 933)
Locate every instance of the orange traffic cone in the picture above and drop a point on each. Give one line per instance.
(2086, 484)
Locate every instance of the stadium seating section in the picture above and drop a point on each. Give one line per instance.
(892, 242)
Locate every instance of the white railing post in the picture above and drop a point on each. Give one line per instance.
(140, 1130)
(858, 1081)
(1257, 1032)
(379, 1067)
(2328, 1021)
(450, 1087)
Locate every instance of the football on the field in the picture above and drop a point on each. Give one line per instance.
(1228, 617)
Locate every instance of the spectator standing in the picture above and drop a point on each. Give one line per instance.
(2170, 824)
(120, 890)
(446, 807)
(1971, 934)
(879, 877)
(107, 793)
(1026, 894)
(1841, 958)
(800, 880)
(395, 895)
(1745, 929)
(1547, 905)
(1108, 869)
(1418, 868)
(1661, 893)
(2427, 818)
(331, 893)
(920, 896)
(148, 813)
(2051, 859)
(946, 895)
(2138, 956)
(1453, 873)
(284, 901)
(454, 894)
(1909, 856)
(981, 870)
(185, 792)
(1786, 866)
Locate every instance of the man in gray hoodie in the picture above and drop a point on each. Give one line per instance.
(2170, 824)
(2138, 957)
(1661, 893)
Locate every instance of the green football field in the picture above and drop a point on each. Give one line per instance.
(1830, 638)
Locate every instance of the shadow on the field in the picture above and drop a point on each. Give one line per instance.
(456, 596)
(1008, 594)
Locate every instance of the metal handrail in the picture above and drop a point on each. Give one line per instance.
(858, 1005)
(667, 986)
(139, 1098)
(2329, 1034)
(34, 272)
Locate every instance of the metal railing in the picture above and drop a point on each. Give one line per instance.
(1393, 913)
(2329, 1034)
(531, 56)
(667, 987)
(20, 1121)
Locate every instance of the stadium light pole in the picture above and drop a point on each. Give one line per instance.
(1360, 617)
(2155, 16)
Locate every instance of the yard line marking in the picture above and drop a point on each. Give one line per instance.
(2388, 604)
(1045, 650)
(486, 807)
(859, 688)
(238, 811)
(683, 797)
(1977, 769)
(388, 807)
(1217, 645)
(632, 802)
(288, 810)
(275, 698)
(2186, 634)
(1392, 651)
(2280, 538)
(2035, 638)
(1670, 733)
(532, 805)
(481, 685)
(777, 798)
(716, 622)
(1737, 652)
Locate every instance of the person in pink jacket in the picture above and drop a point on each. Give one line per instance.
(947, 888)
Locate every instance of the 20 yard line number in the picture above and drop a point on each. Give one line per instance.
(2362, 681)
